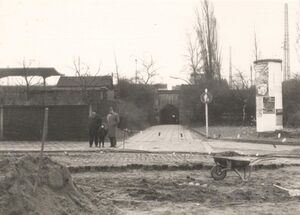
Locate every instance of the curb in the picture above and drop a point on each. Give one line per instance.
(257, 141)
(182, 167)
(62, 153)
(103, 151)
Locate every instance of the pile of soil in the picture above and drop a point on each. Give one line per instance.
(55, 193)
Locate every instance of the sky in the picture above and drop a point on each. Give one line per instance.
(52, 33)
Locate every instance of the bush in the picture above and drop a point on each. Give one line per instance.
(225, 108)
(136, 104)
(291, 102)
(132, 117)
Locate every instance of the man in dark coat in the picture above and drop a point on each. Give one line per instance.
(112, 125)
(94, 123)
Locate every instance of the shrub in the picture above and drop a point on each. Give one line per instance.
(136, 104)
(291, 102)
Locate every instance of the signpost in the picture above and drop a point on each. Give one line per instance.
(206, 98)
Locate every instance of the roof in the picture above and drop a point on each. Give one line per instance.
(44, 72)
(168, 91)
(88, 81)
(268, 60)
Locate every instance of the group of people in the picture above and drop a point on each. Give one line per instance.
(98, 130)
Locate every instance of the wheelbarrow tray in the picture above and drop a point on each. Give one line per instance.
(235, 162)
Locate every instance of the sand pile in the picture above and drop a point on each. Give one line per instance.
(55, 194)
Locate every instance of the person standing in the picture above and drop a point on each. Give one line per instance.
(102, 134)
(112, 124)
(94, 123)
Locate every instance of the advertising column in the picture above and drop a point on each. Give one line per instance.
(268, 81)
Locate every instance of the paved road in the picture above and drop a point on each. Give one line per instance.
(179, 138)
(166, 138)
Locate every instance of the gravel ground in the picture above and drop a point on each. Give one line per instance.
(191, 192)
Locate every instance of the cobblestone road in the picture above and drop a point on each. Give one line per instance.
(101, 160)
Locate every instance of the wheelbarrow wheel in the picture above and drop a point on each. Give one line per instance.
(218, 172)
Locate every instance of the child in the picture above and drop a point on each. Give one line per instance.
(101, 134)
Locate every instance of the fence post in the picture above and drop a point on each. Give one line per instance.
(44, 136)
(45, 130)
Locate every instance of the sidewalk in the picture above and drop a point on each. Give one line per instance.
(51, 146)
(242, 139)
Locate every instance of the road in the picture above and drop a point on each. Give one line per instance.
(166, 138)
(179, 138)
(162, 138)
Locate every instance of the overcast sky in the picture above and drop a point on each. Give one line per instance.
(51, 33)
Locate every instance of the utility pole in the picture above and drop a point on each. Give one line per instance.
(117, 67)
(230, 69)
(136, 71)
(286, 45)
(251, 76)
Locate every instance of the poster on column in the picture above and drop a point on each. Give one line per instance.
(279, 116)
(269, 105)
(259, 106)
(261, 79)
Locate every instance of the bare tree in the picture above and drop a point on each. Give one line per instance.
(206, 43)
(297, 76)
(194, 59)
(188, 82)
(242, 85)
(148, 72)
(240, 81)
(28, 78)
(297, 46)
(83, 71)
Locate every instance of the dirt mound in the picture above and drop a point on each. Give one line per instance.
(55, 193)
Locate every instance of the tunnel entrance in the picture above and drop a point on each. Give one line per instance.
(169, 115)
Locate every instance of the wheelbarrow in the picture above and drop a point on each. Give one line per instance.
(236, 164)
